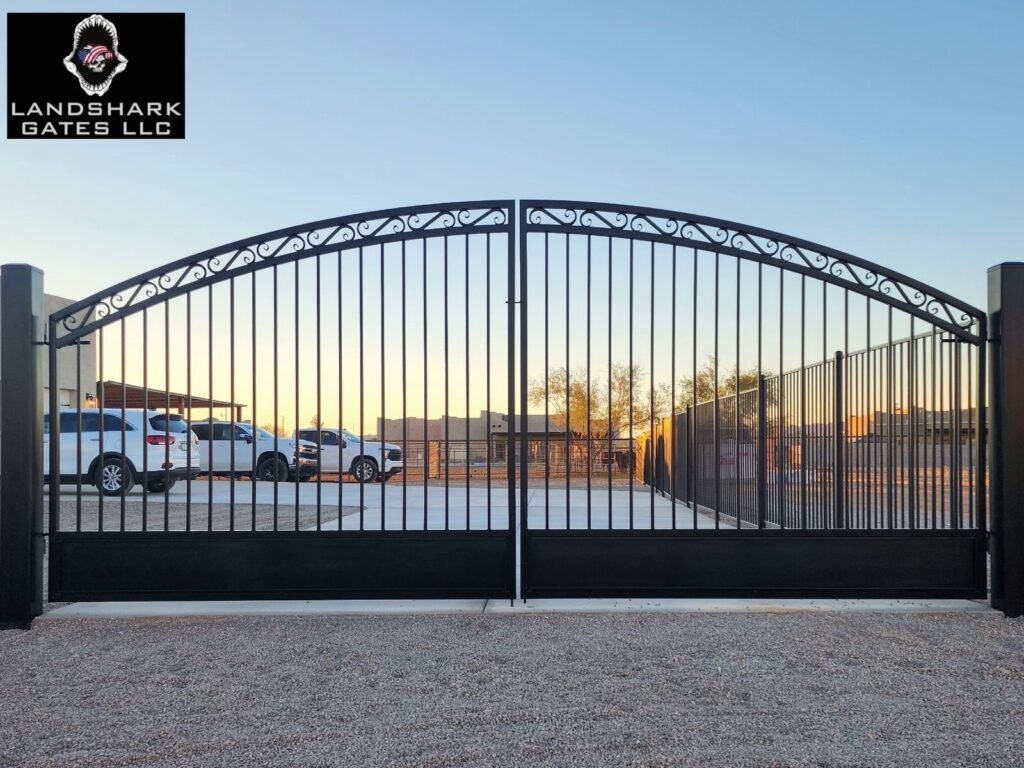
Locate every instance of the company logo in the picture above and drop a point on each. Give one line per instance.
(106, 98)
(95, 59)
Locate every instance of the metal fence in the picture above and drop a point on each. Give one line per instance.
(818, 448)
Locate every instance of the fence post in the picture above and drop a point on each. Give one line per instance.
(1006, 448)
(21, 445)
(691, 480)
(838, 445)
(762, 450)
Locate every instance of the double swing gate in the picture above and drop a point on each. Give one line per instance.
(495, 399)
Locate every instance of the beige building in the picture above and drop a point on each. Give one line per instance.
(67, 366)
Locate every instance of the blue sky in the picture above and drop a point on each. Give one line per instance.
(891, 130)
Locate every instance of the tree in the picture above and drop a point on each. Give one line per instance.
(608, 412)
(565, 394)
(705, 389)
(315, 421)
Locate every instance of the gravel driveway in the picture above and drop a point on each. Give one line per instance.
(517, 690)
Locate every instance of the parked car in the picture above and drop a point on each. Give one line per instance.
(342, 451)
(156, 451)
(255, 455)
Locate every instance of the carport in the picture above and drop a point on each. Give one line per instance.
(117, 394)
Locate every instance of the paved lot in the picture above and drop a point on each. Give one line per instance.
(647, 689)
(429, 505)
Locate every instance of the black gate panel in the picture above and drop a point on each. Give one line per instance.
(646, 402)
(778, 564)
(722, 410)
(310, 412)
(281, 565)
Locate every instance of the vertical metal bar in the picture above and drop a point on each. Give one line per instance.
(838, 492)
(717, 435)
(487, 363)
(101, 397)
(590, 420)
(822, 392)
(52, 478)
(167, 407)
(912, 407)
(849, 510)
(891, 437)
(252, 413)
(956, 508)
(188, 394)
(736, 397)
(405, 404)
(362, 394)
(762, 407)
(652, 442)
(209, 401)
(568, 389)
(762, 448)
(447, 453)
(145, 418)
(672, 377)
(872, 417)
(547, 381)
(383, 408)
(54, 415)
(342, 440)
(780, 463)
(970, 437)
(466, 308)
(231, 386)
(610, 431)
(121, 448)
(319, 408)
(298, 399)
(277, 394)
(691, 417)
(981, 446)
(934, 413)
(632, 446)
(426, 381)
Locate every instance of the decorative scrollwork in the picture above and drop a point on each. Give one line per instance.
(222, 263)
(757, 244)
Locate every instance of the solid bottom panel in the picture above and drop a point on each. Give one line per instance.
(894, 564)
(281, 565)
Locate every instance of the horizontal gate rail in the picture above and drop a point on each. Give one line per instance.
(269, 565)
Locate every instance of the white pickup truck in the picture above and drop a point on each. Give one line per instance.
(241, 449)
(341, 451)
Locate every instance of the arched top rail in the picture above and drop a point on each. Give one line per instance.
(498, 216)
(760, 245)
(280, 246)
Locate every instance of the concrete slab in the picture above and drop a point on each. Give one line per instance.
(737, 605)
(214, 608)
(156, 608)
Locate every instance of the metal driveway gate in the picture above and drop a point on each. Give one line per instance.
(357, 321)
(688, 407)
(732, 411)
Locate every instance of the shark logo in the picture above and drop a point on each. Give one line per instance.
(95, 59)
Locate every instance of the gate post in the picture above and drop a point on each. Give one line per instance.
(1006, 487)
(21, 445)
